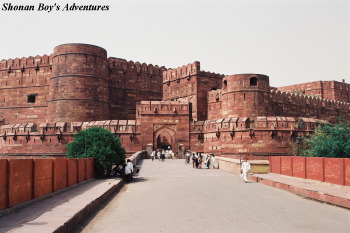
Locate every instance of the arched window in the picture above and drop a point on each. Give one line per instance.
(253, 82)
(225, 84)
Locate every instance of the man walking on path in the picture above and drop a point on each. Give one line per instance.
(245, 169)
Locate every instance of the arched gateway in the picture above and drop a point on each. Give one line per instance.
(164, 137)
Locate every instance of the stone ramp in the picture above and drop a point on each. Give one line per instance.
(60, 213)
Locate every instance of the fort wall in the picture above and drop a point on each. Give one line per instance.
(250, 95)
(259, 136)
(50, 139)
(131, 82)
(24, 89)
(333, 90)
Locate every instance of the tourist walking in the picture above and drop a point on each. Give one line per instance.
(163, 155)
(207, 161)
(194, 160)
(159, 155)
(187, 157)
(213, 160)
(245, 169)
(153, 154)
(200, 159)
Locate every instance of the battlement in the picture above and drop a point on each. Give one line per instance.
(339, 91)
(269, 123)
(114, 126)
(186, 71)
(310, 101)
(124, 65)
(162, 108)
(25, 63)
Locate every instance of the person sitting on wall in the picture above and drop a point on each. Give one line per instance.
(129, 169)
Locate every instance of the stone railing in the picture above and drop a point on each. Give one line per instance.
(234, 166)
(135, 158)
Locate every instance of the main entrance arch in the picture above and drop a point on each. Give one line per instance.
(164, 137)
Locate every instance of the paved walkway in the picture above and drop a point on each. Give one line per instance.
(173, 197)
(62, 211)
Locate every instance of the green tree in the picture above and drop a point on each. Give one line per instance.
(329, 140)
(100, 144)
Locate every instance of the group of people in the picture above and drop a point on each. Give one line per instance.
(197, 160)
(125, 171)
(162, 154)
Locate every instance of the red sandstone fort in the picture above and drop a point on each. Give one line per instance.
(45, 101)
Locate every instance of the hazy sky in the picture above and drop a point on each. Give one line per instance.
(291, 41)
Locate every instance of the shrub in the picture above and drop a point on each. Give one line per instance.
(100, 144)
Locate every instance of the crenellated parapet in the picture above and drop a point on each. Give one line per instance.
(122, 66)
(338, 91)
(24, 63)
(258, 136)
(186, 72)
(306, 100)
(51, 138)
(162, 108)
(309, 106)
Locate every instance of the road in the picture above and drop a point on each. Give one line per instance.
(172, 197)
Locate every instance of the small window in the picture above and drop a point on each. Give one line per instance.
(31, 98)
(253, 81)
(225, 84)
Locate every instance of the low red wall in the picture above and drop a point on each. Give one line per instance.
(60, 174)
(20, 181)
(334, 170)
(330, 170)
(314, 168)
(89, 164)
(286, 166)
(24, 179)
(299, 167)
(347, 172)
(72, 171)
(275, 164)
(81, 170)
(43, 177)
(3, 184)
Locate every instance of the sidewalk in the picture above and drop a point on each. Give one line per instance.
(61, 212)
(320, 191)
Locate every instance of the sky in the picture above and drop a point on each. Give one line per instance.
(291, 41)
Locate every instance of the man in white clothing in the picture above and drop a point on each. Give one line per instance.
(245, 169)
(129, 169)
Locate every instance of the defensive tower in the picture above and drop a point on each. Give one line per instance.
(245, 95)
(79, 84)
